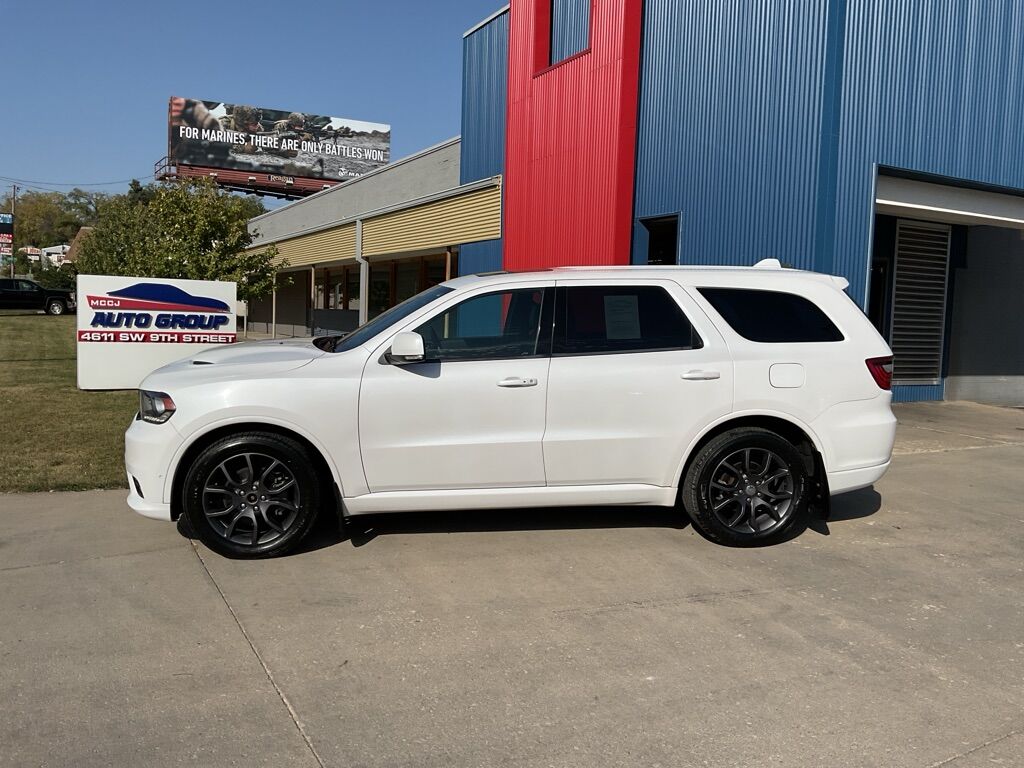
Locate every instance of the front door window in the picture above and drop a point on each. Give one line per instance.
(495, 326)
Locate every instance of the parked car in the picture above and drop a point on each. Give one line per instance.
(740, 394)
(28, 295)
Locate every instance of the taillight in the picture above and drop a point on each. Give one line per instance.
(881, 371)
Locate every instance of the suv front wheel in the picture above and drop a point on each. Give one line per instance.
(747, 486)
(55, 307)
(251, 495)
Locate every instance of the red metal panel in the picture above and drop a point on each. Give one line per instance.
(571, 139)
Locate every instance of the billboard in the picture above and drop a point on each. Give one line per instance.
(6, 234)
(239, 137)
(130, 326)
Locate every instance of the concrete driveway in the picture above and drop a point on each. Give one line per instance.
(892, 635)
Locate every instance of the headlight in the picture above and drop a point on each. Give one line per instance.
(155, 407)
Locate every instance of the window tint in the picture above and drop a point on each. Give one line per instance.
(622, 318)
(771, 316)
(494, 326)
(25, 285)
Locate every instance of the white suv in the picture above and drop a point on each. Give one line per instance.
(744, 394)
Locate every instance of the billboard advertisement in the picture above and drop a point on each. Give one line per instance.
(6, 235)
(215, 134)
(130, 326)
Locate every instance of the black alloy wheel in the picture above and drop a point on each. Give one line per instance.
(751, 491)
(251, 495)
(747, 486)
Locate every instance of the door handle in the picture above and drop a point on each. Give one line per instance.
(517, 381)
(700, 375)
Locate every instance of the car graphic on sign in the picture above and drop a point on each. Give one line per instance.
(156, 297)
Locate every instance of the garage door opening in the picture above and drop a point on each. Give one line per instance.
(946, 286)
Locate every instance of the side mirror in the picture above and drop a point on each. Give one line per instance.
(406, 348)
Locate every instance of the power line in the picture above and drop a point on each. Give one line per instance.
(42, 184)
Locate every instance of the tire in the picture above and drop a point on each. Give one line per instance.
(55, 307)
(251, 495)
(747, 487)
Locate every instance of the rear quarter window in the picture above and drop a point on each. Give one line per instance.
(772, 317)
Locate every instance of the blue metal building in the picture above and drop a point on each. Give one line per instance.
(875, 139)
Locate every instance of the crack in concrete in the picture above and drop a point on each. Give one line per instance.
(259, 657)
(916, 452)
(87, 559)
(1002, 440)
(972, 750)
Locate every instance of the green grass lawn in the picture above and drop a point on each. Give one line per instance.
(53, 436)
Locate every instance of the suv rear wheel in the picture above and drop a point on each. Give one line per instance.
(251, 495)
(55, 307)
(747, 486)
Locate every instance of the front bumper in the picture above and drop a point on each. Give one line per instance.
(149, 450)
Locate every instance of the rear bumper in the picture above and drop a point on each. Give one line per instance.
(852, 479)
(857, 435)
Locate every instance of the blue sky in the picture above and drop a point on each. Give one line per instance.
(86, 84)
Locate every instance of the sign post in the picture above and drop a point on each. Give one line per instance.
(7, 239)
(130, 326)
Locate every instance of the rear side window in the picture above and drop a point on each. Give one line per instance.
(624, 318)
(771, 317)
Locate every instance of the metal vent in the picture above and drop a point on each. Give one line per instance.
(919, 301)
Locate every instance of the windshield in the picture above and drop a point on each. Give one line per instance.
(381, 322)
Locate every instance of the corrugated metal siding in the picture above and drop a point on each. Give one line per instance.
(911, 393)
(571, 142)
(932, 87)
(570, 28)
(484, 113)
(466, 218)
(484, 100)
(480, 257)
(730, 124)
(319, 247)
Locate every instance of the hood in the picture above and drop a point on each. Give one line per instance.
(255, 359)
(277, 351)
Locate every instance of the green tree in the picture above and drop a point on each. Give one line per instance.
(55, 277)
(188, 230)
(44, 219)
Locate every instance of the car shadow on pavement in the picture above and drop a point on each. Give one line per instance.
(363, 529)
(848, 506)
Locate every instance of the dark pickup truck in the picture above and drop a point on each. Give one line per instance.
(18, 293)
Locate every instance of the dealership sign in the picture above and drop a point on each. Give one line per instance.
(130, 326)
(6, 234)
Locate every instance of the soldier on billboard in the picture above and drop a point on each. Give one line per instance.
(194, 113)
(293, 127)
(244, 119)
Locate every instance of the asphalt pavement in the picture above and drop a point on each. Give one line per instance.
(890, 635)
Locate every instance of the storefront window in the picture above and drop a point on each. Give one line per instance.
(380, 289)
(435, 271)
(352, 281)
(407, 279)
